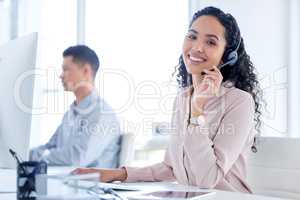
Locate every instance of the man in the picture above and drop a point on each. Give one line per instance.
(89, 133)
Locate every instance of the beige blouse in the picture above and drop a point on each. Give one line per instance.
(212, 155)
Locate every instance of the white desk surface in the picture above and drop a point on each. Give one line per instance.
(8, 184)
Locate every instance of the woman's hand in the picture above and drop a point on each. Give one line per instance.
(205, 88)
(106, 175)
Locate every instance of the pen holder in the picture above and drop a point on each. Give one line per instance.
(31, 180)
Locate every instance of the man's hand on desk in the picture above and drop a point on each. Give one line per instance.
(106, 175)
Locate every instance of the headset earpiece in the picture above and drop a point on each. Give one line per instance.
(232, 57)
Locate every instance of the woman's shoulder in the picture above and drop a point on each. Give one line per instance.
(235, 95)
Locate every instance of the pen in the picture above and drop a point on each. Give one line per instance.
(15, 156)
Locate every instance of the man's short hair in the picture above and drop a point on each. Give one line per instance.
(82, 54)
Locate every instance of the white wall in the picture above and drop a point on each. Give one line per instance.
(265, 27)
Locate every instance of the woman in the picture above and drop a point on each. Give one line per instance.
(214, 113)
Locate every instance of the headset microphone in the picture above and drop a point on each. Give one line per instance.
(232, 56)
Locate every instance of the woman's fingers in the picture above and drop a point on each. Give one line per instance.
(209, 86)
(216, 76)
(218, 71)
(76, 171)
(197, 81)
(212, 79)
(213, 70)
(82, 171)
(206, 86)
(106, 175)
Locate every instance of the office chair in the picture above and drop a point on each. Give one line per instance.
(127, 149)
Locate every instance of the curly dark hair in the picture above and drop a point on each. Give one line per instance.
(241, 74)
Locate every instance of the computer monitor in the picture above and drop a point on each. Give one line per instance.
(17, 61)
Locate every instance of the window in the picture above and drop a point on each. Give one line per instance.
(139, 43)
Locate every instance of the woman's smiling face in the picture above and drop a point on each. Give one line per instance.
(204, 44)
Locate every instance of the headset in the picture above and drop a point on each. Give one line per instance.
(232, 56)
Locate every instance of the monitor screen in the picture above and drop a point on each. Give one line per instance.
(17, 62)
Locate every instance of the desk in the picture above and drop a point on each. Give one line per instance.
(10, 181)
